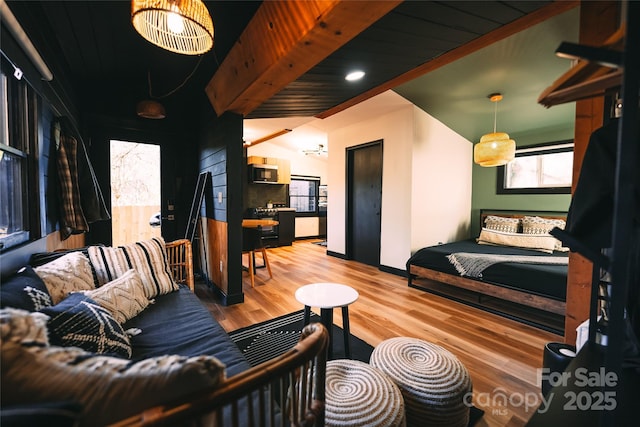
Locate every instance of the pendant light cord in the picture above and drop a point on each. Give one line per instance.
(495, 117)
(179, 86)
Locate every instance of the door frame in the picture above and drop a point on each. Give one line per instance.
(349, 192)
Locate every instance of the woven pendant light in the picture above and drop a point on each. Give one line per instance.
(150, 109)
(179, 26)
(494, 149)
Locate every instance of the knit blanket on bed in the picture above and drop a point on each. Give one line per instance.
(472, 264)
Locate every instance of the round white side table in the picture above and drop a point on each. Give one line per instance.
(328, 296)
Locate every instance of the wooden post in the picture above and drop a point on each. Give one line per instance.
(598, 21)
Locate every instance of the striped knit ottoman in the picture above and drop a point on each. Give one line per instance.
(432, 380)
(358, 394)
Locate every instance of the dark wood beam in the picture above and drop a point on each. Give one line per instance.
(284, 40)
(496, 35)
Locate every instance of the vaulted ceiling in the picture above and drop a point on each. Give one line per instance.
(110, 67)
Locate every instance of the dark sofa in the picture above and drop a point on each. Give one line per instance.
(175, 323)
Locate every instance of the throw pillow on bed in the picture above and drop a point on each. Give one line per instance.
(124, 297)
(80, 322)
(69, 273)
(501, 223)
(25, 290)
(148, 258)
(536, 242)
(108, 388)
(538, 225)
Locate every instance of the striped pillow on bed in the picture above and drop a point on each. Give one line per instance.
(147, 257)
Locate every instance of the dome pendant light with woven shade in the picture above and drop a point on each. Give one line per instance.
(494, 149)
(179, 26)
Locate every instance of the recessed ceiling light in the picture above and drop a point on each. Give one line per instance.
(354, 75)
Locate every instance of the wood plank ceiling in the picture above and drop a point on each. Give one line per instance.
(110, 67)
(396, 48)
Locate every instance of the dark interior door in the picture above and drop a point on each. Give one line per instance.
(364, 164)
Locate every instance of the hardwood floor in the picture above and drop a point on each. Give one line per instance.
(501, 355)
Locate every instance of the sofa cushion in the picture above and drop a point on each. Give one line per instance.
(69, 273)
(148, 258)
(79, 321)
(25, 290)
(109, 389)
(124, 297)
(178, 323)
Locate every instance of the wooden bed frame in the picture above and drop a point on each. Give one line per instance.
(419, 274)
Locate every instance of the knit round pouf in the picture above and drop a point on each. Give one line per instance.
(432, 380)
(358, 394)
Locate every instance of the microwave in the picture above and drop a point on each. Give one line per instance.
(263, 173)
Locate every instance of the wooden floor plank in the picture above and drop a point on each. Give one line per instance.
(501, 355)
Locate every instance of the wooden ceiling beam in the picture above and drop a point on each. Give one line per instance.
(284, 40)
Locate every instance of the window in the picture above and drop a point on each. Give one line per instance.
(17, 138)
(538, 170)
(303, 195)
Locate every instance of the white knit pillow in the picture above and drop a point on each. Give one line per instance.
(69, 273)
(123, 297)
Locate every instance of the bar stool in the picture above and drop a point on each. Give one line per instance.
(252, 243)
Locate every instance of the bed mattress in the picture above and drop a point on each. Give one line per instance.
(539, 279)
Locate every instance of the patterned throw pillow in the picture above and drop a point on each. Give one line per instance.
(79, 321)
(148, 258)
(69, 273)
(501, 223)
(25, 290)
(538, 225)
(124, 297)
(109, 389)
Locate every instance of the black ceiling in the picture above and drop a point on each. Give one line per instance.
(108, 64)
(410, 35)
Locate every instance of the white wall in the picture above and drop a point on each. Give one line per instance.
(426, 183)
(396, 131)
(441, 183)
(426, 177)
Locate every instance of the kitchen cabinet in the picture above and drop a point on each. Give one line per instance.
(287, 226)
(284, 167)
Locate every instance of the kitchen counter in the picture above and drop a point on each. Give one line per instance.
(253, 223)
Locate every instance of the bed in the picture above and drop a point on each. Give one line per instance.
(514, 267)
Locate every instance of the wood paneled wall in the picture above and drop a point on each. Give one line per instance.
(222, 155)
(213, 254)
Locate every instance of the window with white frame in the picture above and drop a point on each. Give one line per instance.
(18, 112)
(303, 195)
(539, 169)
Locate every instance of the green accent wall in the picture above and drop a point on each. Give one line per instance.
(483, 194)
